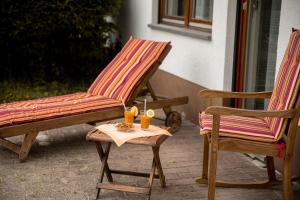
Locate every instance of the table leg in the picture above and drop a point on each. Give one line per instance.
(159, 167)
(101, 155)
(104, 164)
(151, 178)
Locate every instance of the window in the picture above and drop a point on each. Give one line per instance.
(194, 14)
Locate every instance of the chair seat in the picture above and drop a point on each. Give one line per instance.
(238, 127)
(52, 107)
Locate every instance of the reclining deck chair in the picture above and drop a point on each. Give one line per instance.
(270, 132)
(127, 74)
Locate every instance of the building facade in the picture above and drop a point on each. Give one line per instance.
(234, 45)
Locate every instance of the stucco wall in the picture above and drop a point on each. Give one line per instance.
(289, 18)
(206, 63)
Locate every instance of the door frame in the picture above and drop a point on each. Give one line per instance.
(240, 54)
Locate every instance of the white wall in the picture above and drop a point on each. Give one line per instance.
(289, 18)
(207, 63)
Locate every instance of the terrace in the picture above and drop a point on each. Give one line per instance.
(66, 166)
(231, 45)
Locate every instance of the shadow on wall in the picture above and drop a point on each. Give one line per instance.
(168, 85)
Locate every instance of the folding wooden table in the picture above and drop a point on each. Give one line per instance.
(155, 141)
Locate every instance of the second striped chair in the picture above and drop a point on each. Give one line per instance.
(270, 132)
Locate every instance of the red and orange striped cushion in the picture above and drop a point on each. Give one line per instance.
(284, 95)
(238, 127)
(286, 86)
(119, 79)
(47, 108)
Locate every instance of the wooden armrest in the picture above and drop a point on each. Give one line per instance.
(226, 94)
(220, 110)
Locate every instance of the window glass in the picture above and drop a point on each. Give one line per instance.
(191, 14)
(202, 9)
(175, 8)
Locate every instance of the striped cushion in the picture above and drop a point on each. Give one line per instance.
(286, 85)
(283, 97)
(119, 79)
(238, 127)
(52, 107)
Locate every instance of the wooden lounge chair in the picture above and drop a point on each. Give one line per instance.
(124, 78)
(270, 132)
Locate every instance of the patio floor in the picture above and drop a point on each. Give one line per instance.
(62, 165)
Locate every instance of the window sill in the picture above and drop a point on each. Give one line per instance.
(181, 31)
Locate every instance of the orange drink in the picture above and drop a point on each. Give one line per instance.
(129, 116)
(145, 121)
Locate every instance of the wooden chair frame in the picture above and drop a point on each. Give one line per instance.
(214, 143)
(30, 130)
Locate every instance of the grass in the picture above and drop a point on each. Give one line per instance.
(17, 91)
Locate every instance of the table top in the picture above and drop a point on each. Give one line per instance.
(98, 136)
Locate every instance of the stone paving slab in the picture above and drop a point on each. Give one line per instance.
(63, 165)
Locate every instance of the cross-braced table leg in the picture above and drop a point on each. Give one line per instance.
(104, 167)
(159, 167)
(156, 164)
(101, 155)
(151, 178)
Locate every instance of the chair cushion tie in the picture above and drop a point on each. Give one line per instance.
(280, 148)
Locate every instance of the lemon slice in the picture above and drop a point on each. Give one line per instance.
(150, 113)
(135, 110)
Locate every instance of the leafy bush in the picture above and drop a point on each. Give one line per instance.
(62, 40)
(16, 91)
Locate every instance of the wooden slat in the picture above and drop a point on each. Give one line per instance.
(221, 110)
(123, 188)
(246, 146)
(9, 145)
(105, 115)
(130, 173)
(257, 185)
(226, 94)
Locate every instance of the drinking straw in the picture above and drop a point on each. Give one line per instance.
(145, 106)
(123, 103)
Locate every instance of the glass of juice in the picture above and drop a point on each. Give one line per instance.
(145, 120)
(128, 116)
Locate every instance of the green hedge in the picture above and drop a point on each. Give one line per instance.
(61, 40)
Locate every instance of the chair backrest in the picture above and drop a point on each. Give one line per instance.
(126, 71)
(286, 86)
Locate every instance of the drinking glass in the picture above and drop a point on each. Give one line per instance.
(145, 120)
(128, 116)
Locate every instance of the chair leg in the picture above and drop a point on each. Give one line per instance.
(159, 167)
(104, 165)
(212, 174)
(204, 178)
(271, 169)
(26, 145)
(287, 176)
(213, 158)
(205, 158)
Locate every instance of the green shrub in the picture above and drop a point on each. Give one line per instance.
(16, 91)
(63, 40)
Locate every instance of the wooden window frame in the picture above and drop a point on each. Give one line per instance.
(186, 19)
